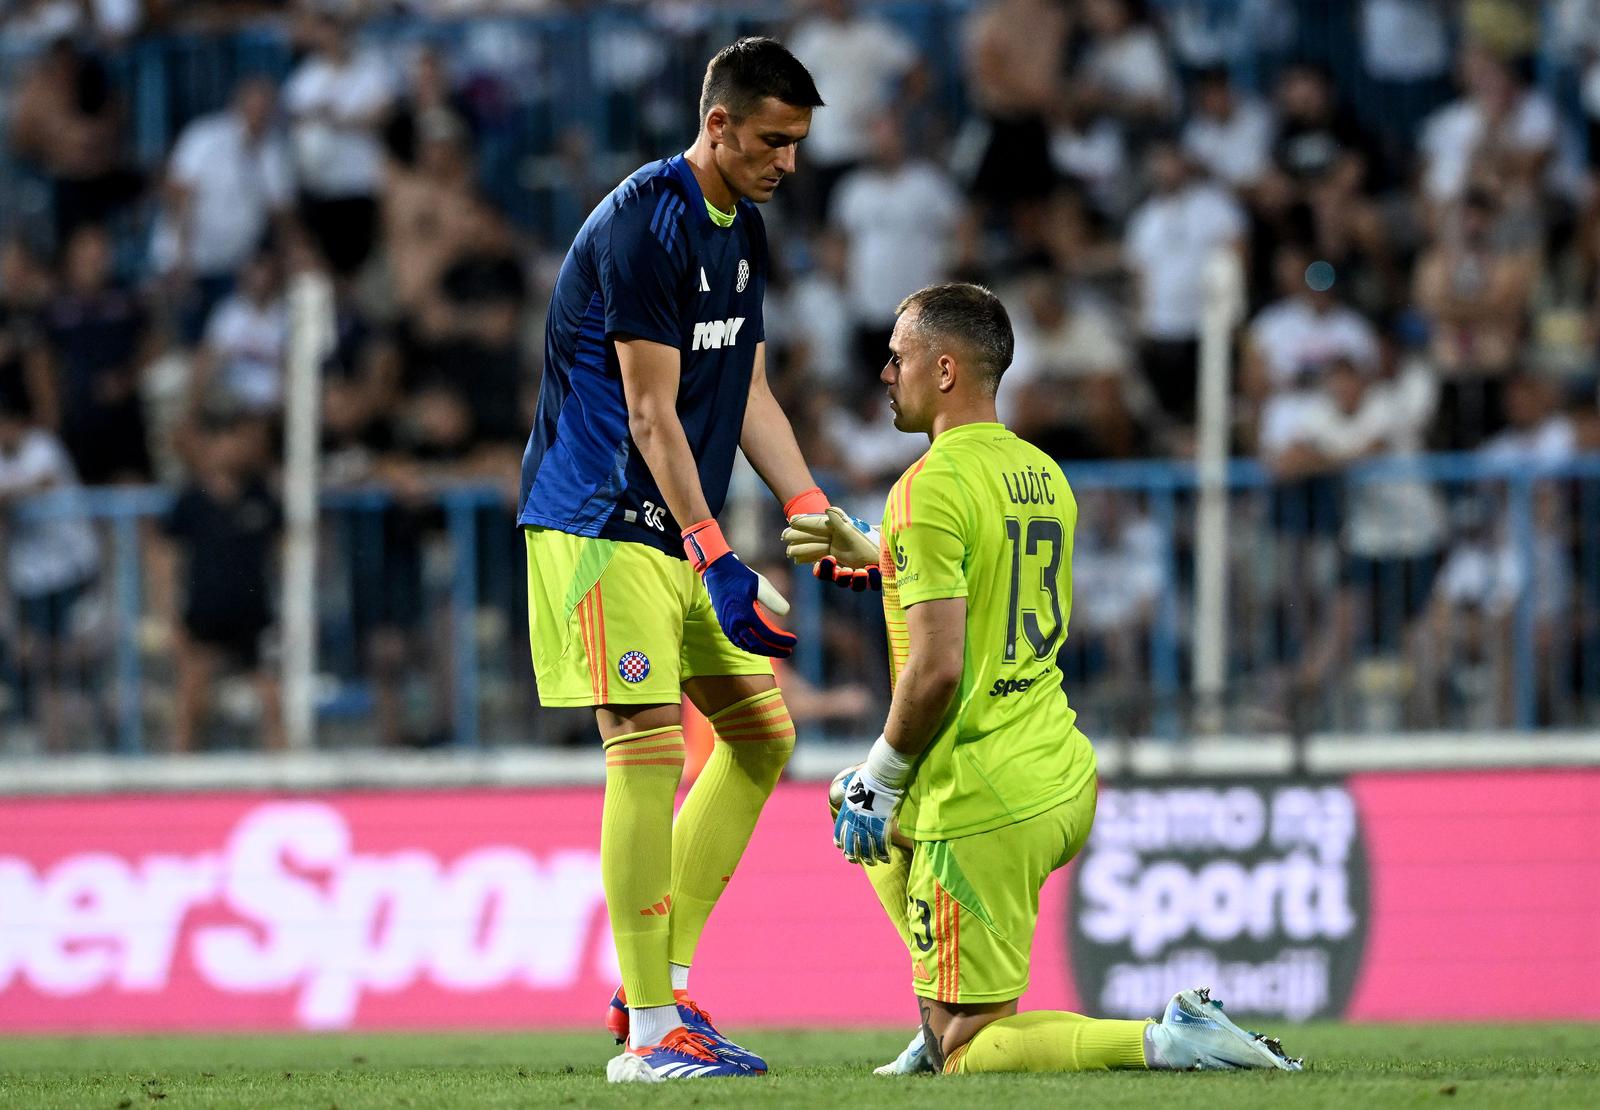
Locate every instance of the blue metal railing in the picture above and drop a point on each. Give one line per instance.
(123, 511)
(1164, 492)
(1164, 481)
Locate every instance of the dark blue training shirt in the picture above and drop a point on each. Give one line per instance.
(648, 263)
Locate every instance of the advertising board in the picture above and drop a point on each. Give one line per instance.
(1432, 895)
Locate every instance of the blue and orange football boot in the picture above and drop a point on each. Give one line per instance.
(696, 1021)
(680, 1055)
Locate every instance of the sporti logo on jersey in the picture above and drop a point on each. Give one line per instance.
(713, 335)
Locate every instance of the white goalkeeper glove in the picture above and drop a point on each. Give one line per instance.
(842, 549)
(864, 824)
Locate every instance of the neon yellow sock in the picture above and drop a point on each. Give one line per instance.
(754, 740)
(1050, 1040)
(889, 884)
(642, 773)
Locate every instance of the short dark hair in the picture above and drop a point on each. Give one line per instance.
(970, 316)
(745, 73)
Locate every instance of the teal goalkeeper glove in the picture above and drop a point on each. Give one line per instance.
(861, 830)
(863, 827)
(842, 549)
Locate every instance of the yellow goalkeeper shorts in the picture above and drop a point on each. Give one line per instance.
(973, 902)
(620, 623)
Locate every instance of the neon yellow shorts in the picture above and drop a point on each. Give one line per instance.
(620, 623)
(973, 902)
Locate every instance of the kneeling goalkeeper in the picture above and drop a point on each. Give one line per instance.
(980, 765)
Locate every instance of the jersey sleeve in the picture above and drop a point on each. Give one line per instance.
(928, 536)
(763, 263)
(640, 262)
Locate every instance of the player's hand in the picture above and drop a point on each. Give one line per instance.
(861, 830)
(740, 597)
(842, 549)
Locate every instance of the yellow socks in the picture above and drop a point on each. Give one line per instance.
(1050, 1040)
(642, 773)
(754, 739)
(889, 884)
(662, 880)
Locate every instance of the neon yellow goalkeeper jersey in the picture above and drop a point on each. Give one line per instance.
(985, 516)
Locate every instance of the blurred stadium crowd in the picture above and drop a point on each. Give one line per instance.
(1410, 185)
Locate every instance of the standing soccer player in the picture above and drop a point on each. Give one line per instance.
(980, 763)
(655, 372)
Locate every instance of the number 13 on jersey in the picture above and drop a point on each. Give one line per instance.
(1037, 545)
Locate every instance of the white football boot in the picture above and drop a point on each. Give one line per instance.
(913, 1061)
(1194, 1034)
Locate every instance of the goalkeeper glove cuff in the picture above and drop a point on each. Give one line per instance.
(887, 766)
(704, 544)
(812, 500)
(739, 596)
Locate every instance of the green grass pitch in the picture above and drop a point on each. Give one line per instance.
(1359, 1067)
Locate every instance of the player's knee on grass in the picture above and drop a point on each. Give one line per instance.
(955, 1024)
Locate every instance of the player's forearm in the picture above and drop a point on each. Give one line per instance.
(660, 439)
(767, 439)
(922, 697)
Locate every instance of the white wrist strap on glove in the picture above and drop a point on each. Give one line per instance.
(885, 767)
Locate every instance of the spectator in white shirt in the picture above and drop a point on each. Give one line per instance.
(1405, 41)
(1088, 148)
(907, 227)
(1205, 33)
(1067, 390)
(1125, 67)
(812, 317)
(52, 562)
(1537, 432)
(1229, 134)
(339, 100)
(861, 65)
(1491, 568)
(1291, 342)
(870, 449)
(1171, 239)
(239, 366)
(1392, 527)
(1500, 130)
(228, 181)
